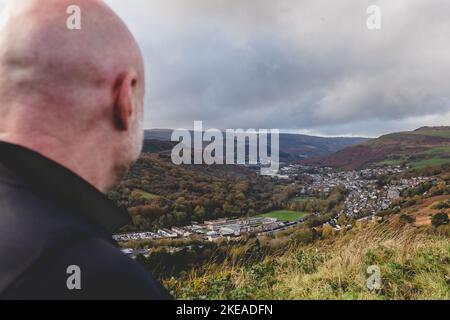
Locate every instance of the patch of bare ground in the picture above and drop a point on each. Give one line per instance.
(423, 212)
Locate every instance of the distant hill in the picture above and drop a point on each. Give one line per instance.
(158, 134)
(157, 146)
(292, 146)
(426, 146)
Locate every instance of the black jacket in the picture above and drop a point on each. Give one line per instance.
(51, 219)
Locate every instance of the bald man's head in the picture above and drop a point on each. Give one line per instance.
(71, 85)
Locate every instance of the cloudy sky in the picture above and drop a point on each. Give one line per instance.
(297, 65)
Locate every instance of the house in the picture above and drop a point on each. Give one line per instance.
(228, 232)
(167, 233)
(393, 194)
(212, 236)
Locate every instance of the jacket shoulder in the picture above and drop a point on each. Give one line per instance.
(89, 269)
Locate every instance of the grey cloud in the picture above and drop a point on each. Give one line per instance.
(307, 65)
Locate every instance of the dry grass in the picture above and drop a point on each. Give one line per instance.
(414, 263)
(395, 249)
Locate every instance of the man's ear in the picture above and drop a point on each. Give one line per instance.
(124, 104)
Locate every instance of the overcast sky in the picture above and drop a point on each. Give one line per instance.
(306, 65)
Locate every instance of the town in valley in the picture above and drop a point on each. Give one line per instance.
(365, 197)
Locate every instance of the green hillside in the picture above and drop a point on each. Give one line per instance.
(427, 146)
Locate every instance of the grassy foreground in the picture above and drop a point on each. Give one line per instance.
(414, 264)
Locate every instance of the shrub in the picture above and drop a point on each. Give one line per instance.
(441, 205)
(440, 219)
(406, 218)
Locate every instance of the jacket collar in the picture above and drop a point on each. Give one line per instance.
(59, 185)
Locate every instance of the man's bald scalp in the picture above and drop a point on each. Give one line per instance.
(41, 59)
(75, 96)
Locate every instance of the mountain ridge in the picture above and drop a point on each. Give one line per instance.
(292, 146)
(420, 147)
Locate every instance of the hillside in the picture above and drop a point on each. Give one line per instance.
(292, 146)
(325, 256)
(413, 258)
(157, 146)
(159, 194)
(414, 264)
(427, 146)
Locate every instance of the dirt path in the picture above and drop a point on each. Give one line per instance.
(424, 213)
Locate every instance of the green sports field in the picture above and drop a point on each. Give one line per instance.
(284, 215)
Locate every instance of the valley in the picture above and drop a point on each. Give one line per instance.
(226, 232)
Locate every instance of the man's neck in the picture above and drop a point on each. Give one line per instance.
(85, 158)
